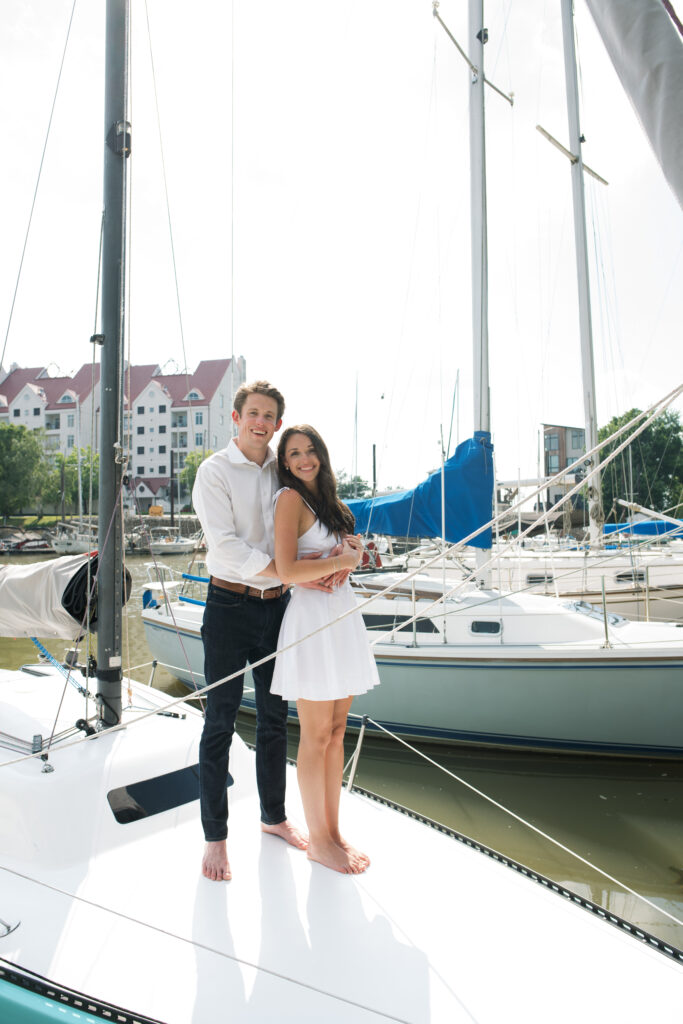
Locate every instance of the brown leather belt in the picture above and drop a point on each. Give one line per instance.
(242, 588)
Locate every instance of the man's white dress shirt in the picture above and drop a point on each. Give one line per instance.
(233, 498)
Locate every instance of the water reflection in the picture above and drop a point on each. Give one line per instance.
(624, 816)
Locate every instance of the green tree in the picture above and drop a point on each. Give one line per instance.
(655, 464)
(60, 484)
(56, 488)
(188, 473)
(22, 468)
(352, 487)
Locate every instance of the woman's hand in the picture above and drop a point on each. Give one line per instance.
(352, 551)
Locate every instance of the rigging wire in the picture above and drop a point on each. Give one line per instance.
(35, 191)
(528, 824)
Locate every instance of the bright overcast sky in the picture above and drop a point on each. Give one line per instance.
(348, 218)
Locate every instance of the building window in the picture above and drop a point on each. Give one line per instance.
(552, 442)
(141, 449)
(220, 401)
(17, 412)
(215, 441)
(70, 420)
(220, 421)
(570, 462)
(70, 441)
(140, 410)
(578, 439)
(162, 470)
(36, 412)
(162, 428)
(162, 408)
(141, 430)
(198, 419)
(141, 470)
(193, 396)
(553, 463)
(198, 440)
(162, 449)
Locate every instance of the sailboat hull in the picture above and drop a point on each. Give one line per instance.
(607, 701)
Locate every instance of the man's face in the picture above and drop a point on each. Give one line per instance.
(256, 424)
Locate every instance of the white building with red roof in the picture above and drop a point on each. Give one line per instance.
(165, 415)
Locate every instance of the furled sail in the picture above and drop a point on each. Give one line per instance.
(417, 513)
(647, 53)
(50, 599)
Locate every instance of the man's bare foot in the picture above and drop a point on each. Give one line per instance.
(332, 856)
(353, 852)
(285, 830)
(215, 862)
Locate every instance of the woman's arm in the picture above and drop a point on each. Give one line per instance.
(289, 516)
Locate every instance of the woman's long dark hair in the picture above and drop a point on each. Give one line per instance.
(331, 512)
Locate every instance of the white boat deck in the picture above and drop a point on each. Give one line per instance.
(433, 931)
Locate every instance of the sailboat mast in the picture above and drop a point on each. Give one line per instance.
(585, 324)
(480, 295)
(110, 541)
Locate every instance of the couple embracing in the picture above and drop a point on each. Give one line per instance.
(271, 522)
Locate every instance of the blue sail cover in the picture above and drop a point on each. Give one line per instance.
(646, 528)
(417, 513)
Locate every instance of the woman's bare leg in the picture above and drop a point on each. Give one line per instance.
(334, 771)
(315, 718)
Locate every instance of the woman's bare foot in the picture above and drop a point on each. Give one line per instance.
(215, 862)
(332, 856)
(353, 852)
(285, 830)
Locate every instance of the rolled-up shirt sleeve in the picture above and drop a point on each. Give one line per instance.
(233, 500)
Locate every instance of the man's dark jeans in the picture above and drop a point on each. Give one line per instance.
(236, 630)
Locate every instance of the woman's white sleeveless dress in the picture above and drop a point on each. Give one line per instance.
(338, 661)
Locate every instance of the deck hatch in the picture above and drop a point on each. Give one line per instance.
(152, 796)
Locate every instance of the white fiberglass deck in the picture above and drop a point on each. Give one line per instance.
(433, 931)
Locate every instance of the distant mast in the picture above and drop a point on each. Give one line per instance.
(110, 540)
(480, 289)
(596, 514)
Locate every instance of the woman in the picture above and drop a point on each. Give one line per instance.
(323, 672)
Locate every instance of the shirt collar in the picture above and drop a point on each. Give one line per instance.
(237, 456)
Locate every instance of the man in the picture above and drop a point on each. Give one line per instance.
(233, 497)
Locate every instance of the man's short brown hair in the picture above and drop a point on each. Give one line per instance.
(258, 387)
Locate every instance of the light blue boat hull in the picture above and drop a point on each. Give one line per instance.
(611, 704)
